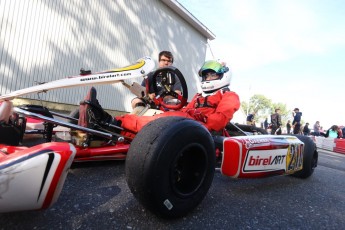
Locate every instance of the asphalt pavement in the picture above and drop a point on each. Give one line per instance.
(96, 196)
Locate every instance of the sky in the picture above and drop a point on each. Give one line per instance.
(291, 52)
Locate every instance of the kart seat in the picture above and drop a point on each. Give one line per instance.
(5, 111)
(91, 113)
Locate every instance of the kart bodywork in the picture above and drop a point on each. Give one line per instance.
(170, 163)
(32, 178)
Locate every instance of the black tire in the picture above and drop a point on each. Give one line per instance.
(170, 166)
(310, 157)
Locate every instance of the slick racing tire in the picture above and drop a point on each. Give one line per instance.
(310, 157)
(170, 166)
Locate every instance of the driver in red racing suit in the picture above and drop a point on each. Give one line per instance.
(214, 108)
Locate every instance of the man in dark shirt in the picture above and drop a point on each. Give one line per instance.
(296, 123)
(165, 59)
(276, 122)
(306, 130)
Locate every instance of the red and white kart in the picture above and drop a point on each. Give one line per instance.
(170, 162)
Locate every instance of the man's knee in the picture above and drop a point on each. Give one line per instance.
(5, 111)
(137, 102)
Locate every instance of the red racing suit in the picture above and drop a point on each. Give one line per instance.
(213, 111)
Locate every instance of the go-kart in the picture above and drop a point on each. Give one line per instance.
(170, 162)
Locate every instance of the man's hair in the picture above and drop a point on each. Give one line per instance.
(277, 110)
(167, 54)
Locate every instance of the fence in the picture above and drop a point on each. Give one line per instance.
(331, 144)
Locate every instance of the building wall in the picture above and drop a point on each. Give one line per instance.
(45, 40)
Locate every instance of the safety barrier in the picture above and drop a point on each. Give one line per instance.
(339, 146)
(331, 144)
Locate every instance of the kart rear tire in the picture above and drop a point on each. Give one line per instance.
(310, 157)
(170, 166)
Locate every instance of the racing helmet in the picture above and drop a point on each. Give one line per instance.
(222, 71)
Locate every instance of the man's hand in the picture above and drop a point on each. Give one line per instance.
(152, 96)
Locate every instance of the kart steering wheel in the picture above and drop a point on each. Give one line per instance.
(167, 81)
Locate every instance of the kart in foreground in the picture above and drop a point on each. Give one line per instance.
(170, 163)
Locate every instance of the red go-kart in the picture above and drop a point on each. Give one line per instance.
(170, 162)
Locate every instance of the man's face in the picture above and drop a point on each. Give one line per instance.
(212, 75)
(165, 61)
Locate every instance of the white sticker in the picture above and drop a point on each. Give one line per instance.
(168, 204)
(265, 160)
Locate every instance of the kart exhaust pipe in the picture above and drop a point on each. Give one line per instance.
(66, 124)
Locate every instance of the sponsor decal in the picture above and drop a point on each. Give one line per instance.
(251, 142)
(104, 76)
(294, 161)
(265, 160)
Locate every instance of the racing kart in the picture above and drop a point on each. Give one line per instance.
(170, 162)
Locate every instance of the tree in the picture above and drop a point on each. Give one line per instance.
(264, 107)
(256, 103)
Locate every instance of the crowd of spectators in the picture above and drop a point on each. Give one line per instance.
(297, 127)
(334, 131)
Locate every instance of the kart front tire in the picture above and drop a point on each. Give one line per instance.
(310, 157)
(170, 166)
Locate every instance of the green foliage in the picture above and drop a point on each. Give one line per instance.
(257, 103)
(264, 107)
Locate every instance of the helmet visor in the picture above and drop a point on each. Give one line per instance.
(211, 65)
(209, 75)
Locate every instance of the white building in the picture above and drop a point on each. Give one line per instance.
(46, 40)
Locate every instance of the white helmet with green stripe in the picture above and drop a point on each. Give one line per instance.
(209, 85)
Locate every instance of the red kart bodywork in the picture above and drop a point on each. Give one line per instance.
(112, 152)
(32, 178)
(261, 156)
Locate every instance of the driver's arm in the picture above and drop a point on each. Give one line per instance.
(224, 112)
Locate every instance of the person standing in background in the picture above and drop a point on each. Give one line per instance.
(296, 123)
(288, 127)
(276, 122)
(250, 119)
(317, 128)
(306, 130)
(333, 132)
